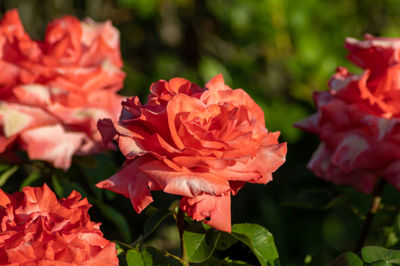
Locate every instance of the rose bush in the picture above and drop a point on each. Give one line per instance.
(52, 92)
(38, 229)
(201, 143)
(358, 119)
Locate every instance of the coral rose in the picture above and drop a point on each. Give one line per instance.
(52, 92)
(201, 143)
(38, 229)
(358, 119)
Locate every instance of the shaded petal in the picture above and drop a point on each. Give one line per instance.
(53, 144)
(131, 183)
(216, 208)
(347, 152)
(373, 52)
(179, 85)
(258, 168)
(107, 130)
(187, 184)
(309, 124)
(130, 148)
(321, 165)
(179, 104)
(198, 161)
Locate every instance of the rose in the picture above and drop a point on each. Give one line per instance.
(201, 143)
(52, 92)
(38, 229)
(358, 118)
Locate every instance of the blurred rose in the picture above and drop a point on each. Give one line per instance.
(358, 119)
(201, 143)
(52, 92)
(38, 229)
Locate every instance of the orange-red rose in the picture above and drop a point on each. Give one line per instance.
(52, 92)
(38, 229)
(358, 119)
(201, 143)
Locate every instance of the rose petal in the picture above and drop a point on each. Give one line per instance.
(216, 208)
(187, 184)
(131, 183)
(52, 143)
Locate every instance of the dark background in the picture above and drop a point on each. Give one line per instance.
(278, 51)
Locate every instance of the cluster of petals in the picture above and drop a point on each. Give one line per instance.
(203, 144)
(358, 119)
(38, 229)
(52, 92)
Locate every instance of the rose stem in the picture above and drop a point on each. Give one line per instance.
(180, 222)
(375, 205)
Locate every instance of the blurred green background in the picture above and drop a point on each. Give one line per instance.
(279, 51)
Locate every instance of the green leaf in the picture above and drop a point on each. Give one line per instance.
(259, 240)
(119, 249)
(174, 207)
(154, 221)
(347, 259)
(4, 176)
(230, 262)
(30, 179)
(225, 241)
(152, 256)
(381, 263)
(58, 188)
(116, 217)
(133, 258)
(200, 243)
(397, 225)
(210, 261)
(374, 253)
(390, 236)
(213, 261)
(63, 186)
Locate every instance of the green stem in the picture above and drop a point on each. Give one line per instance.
(167, 254)
(122, 244)
(137, 241)
(180, 222)
(375, 206)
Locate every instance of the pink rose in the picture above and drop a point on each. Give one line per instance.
(358, 118)
(52, 92)
(38, 229)
(201, 143)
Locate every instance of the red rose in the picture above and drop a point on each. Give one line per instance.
(52, 92)
(358, 118)
(38, 229)
(201, 143)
